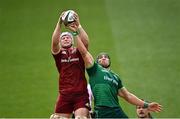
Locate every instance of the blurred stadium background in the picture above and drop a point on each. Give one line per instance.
(141, 36)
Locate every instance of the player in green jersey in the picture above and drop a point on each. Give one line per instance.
(106, 85)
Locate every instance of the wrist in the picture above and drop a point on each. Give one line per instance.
(79, 28)
(146, 104)
(75, 33)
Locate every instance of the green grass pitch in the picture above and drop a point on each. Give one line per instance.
(141, 36)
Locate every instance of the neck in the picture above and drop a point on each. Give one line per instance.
(67, 47)
(108, 68)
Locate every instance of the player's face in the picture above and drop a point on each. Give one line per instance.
(103, 60)
(66, 41)
(142, 112)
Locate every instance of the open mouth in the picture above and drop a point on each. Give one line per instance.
(141, 113)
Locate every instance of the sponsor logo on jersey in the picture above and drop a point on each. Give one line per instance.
(111, 80)
(69, 60)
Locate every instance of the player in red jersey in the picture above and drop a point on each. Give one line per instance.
(73, 94)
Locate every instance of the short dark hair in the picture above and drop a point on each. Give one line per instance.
(106, 54)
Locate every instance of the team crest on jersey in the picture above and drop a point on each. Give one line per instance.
(111, 80)
(64, 52)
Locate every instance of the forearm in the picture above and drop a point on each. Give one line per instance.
(83, 35)
(153, 106)
(132, 99)
(87, 57)
(55, 46)
(80, 45)
(129, 97)
(56, 34)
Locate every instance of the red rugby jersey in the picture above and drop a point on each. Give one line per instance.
(71, 70)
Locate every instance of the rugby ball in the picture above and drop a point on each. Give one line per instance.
(68, 17)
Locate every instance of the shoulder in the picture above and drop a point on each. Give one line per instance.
(115, 74)
(58, 54)
(93, 69)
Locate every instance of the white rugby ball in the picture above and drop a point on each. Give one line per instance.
(68, 17)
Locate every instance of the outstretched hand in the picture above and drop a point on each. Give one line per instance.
(60, 18)
(76, 18)
(154, 107)
(74, 25)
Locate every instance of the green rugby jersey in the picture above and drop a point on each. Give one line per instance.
(104, 85)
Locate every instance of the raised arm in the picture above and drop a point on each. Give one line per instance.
(82, 33)
(55, 46)
(87, 57)
(132, 99)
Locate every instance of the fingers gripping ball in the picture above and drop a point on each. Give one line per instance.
(68, 17)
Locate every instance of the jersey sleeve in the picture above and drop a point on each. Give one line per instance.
(57, 59)
(92, 70)
(120, 85)
(56, 56)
